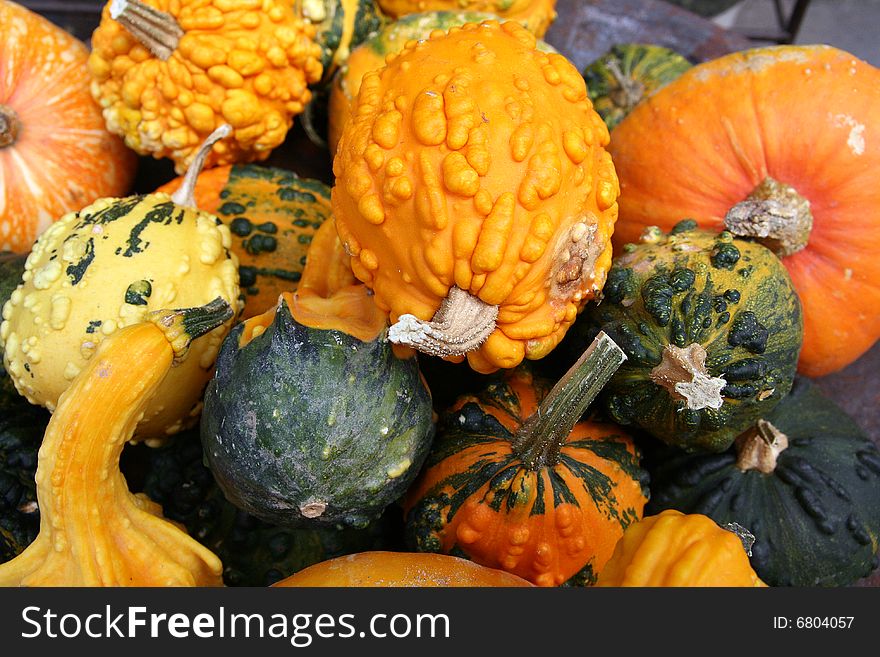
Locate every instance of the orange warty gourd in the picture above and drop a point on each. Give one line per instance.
(673, 549)
(778, 144)
(537, 15)
(169, 72)
(56, 156)
(475, 196)
(399, 569)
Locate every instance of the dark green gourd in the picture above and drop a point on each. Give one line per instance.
(254, 553)
(804, 480)
(308, 426)
(711, 327)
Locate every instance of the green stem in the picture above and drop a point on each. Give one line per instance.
(543, 434)
(184, 325)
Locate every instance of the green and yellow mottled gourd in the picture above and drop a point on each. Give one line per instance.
(272, 215)
(341, 26)
(93, 530)
(711, 326)
(627, 74)
(107, 267)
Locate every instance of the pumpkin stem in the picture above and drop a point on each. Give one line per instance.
(10, 126)
(775, 215)
(461, 324)
(758, 447)
(541, 437)
(183, 326)
(682, 371)
(629, 92)
(157, 31)
(746, 537)
(185, 194)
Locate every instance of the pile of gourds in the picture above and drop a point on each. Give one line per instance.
(546, 326)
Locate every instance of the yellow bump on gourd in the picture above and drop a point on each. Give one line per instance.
(429, 118)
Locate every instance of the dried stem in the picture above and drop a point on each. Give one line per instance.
(461, 324)
(185, 194)
(157, 31)
(10, 126)
(682, 371)
(759, 447)
(775, 215)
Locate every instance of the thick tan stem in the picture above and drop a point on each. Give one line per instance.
(157, 31)
(461, 324)
(10, 126)
(760, 447)
(185, 194)
(682, 371)
(775, 215)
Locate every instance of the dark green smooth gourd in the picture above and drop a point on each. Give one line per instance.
(815, 512)
(711, 327)
(310, 427)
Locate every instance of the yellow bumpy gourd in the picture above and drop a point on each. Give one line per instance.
(168, 72)
(475, 195)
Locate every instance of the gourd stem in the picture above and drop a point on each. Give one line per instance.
(184, 325)
(759, 447)
(10, 126)
(157, 31)
(461, 324)
(775, 215)
(682, 371)
(541, 437)
(632, 90)
(185, 194)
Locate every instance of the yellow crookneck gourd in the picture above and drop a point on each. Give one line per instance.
(93, 530)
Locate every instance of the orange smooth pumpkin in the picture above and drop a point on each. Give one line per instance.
(399, 569)
(56, 155)
(807, 117)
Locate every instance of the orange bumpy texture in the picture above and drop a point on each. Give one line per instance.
(475, 160)
(537, 15)
(243, 62)
(673, 549)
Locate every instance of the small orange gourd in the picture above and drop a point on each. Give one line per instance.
(398, 569)
(56, 156)
(168, 73)
(475, 196)
(93, 531)
(776, 144)
(536, 15)
(674, 549)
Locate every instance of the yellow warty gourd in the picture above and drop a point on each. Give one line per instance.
(168, 72)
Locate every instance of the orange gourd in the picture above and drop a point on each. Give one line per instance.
(779, 144)
(169, 72)
(537, 15)
(398, 569)
(516, 481)
(475, 195)
(56, 156)
(673, 549)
